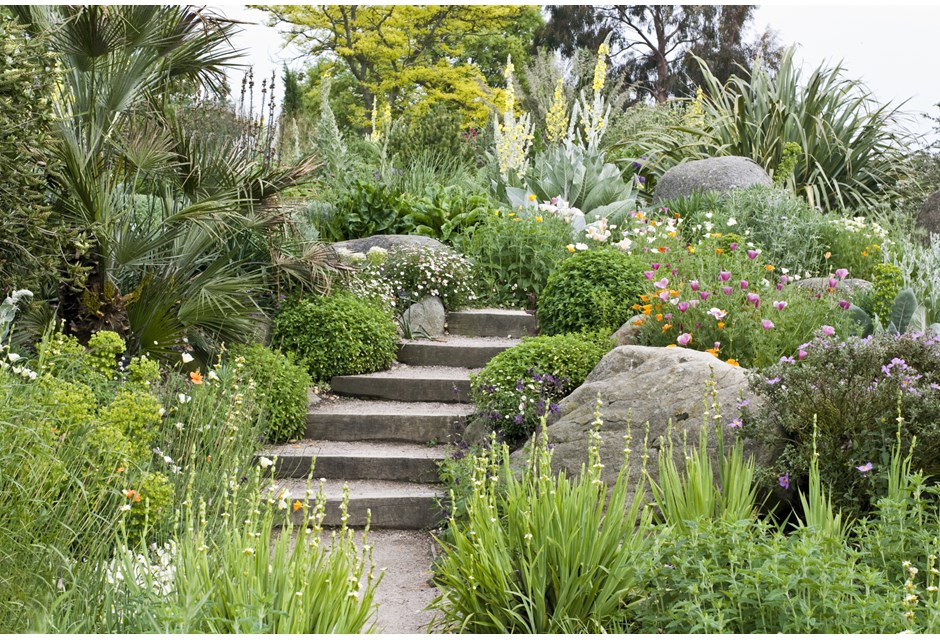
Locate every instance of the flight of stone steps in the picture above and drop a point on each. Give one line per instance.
(387, 432)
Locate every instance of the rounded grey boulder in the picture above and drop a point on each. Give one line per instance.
(665, 388)
(721, 175)
(388, 242)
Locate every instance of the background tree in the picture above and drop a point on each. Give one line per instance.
(650, 44)
(414, 56)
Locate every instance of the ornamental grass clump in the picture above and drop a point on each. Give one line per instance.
(543, 553)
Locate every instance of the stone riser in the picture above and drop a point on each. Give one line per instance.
(401, 469)
(394, 512)
(402, 389)
(443, 355)
(484, 325)
(384, 428)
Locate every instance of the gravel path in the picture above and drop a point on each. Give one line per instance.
(404, 592)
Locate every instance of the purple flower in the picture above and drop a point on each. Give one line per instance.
(833, 283)
(744, 284)
(684, 339)
(754, 299)
(662, 283)
(724, 276)
(553, 408)
(845, 304)
(801, 354)
(766, 324)
(668, 317)
(784, 480)
(693, 285)
(733, 246)
(675, 272)
(772, 381)
(787, 359)
(664, 296)
(648, 274)
(655, 266)
(727, 290)
(518, 419)
(840, 274)
(865, 468)
(743, 403)
(703, 295)
(827, 330)
(683, 306)
(751, 254)
(780, 305)
(736, 423)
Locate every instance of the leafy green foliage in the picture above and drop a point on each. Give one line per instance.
(282, 387)
(852, 392)
(522, 564)
(33, 236)
(514, 255)
(336, 335)
(520, 385)
(591, 290)
(885, 289)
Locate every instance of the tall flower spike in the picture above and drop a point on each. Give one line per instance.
(556, 121)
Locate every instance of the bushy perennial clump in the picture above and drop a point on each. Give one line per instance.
(591, 290)
(282, 387)
(514, 255)
(413, 273)
(336, 335)
(520, 385)
(855, 393)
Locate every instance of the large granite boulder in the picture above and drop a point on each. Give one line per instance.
(721, 175)
(424, 319)
(388, 242)
(667, 388)
(928, 218)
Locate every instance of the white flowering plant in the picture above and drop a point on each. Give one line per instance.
(413, 273)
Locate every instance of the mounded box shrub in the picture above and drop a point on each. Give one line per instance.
(336, 335)
(589, 291)
(523, 383)
(281, 390)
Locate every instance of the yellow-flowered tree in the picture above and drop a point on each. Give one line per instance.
(414, 57)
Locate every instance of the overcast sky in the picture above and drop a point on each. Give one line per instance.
(895, 50)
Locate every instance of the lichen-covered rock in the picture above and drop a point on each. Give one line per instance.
(720, 175)
(628, 331)
(424, 319)
(388, 242)
(667, 388)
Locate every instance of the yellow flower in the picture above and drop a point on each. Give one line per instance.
(719, 251)
(531, 197)
(733, 362)
(712, 351)
(827, 255)
(691, 249)
(570, 248)
(298, 505)
(659, 317)
(638, 322)
(538, 218)
(864, 254)
(769, 267)
(669, 346)
(666, 327)
(721, 325)
(671, 234)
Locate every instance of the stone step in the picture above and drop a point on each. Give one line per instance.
(453, 351)
(357, 460)
(408, 384)
(491, 323)
(353, 419)
(394, 505)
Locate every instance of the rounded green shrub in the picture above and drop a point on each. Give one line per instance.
(589, 291)
(336, 335)
(888, 281)
(521, 384)
(282, 386)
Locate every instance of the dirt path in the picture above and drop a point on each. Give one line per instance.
(404, 592)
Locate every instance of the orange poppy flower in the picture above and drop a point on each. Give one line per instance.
(298, 505)
(195, 377)
(732, 362)
(132, 495)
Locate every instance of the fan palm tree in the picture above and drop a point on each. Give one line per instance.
(177, 242)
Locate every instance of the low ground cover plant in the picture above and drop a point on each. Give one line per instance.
(413, 273)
